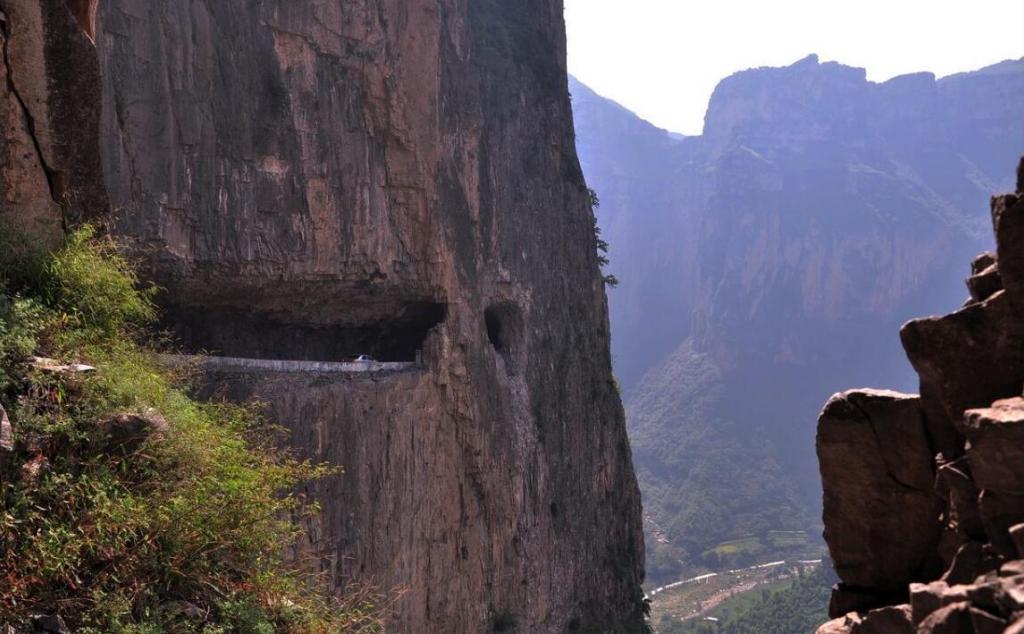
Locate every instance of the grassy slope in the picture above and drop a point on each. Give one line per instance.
(186, 531)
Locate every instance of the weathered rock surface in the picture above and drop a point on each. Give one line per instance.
(999, 511)
(970, 358)
(128, 431)
(972, 560)
(50, 112)
(887, 620)
(878, 477)
(399, 177)
(985, 283)
(1008, 221)
(840, 625)
(996, 445)
(970, 365)
(846, 599)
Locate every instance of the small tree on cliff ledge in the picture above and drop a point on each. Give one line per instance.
(602, 245)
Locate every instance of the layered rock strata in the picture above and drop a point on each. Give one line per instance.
(313, 181)
(924, 495)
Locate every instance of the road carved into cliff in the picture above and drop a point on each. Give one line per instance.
(237, 364)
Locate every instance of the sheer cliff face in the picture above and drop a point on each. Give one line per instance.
(49, 111)
(401, 175)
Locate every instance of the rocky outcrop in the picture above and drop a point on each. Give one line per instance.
(128, 431)
(319, 180)
(877, 444)
(50, 111)
(966, 457)
(995, 437)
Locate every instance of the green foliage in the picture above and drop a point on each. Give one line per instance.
(89, 281)
(602, 245)
(189, 532)
(800, 607)
(708, 481)
(21, 322)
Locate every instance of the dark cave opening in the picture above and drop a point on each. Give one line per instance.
(504, 325)
(231, 332)
(495, 330)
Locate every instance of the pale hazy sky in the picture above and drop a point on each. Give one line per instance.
(662, 58)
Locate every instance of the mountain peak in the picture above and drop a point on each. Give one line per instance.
(767, 98)
(810, 60)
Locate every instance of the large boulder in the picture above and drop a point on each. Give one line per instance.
(970, 358)
(982, 262)
(127, 432)
(878, 476)
(996, 445)
(846, 599)
(888, 620)
(972, 560)
(999, 512)
(985, 283)
(926, 598)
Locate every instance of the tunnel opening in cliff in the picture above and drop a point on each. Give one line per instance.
(504, 325)
(233, 332)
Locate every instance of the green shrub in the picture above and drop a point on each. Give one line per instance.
(92, 283)
(189, 532)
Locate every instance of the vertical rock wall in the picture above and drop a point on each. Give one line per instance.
(924, 495)
(49, 120)
(334, 165)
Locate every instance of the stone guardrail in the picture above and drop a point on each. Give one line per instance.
(237, 364)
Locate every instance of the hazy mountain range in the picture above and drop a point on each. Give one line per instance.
(768, 263)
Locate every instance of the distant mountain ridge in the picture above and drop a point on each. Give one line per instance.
(768, 263)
